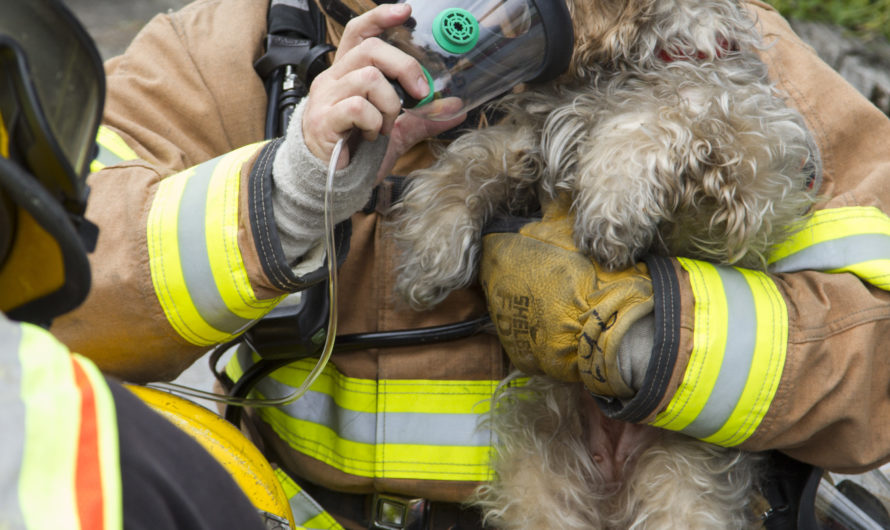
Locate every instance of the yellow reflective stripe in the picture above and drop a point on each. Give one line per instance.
(382, 460)
(853, 239)
(197, 269)
(109, 448)
(766, 366)
(402, 395)
(322, 443)
(52, 405)
(406, 429)
(708, 343)
(413, 395)
(308, 514)
(875, 272)
(221, 225)
(115, 144)
(112, 150)
(738, 355)
(166, 273)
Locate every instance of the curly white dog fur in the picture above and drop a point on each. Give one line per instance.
(670, 138)
(547, 477)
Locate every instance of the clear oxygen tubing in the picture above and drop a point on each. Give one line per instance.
(331, 254)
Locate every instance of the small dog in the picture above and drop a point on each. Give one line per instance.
(669, 137)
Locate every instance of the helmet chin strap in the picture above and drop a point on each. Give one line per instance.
(26, 193)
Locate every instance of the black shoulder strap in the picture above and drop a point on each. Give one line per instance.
(337, 11)
(790, 488)
(295, 53)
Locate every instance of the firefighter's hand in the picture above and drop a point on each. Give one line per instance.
(355, 94)
(556, 310)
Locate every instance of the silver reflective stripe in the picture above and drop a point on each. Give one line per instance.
(12, 432)
(837, 253)
(106, 158)
(387, 427)
(737, 356)
(194, 257)
(460, 430)
(299, 4)
(304, 508)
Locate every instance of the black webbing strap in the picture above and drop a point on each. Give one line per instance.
(296, 52)
(385, 194)
(790, 489)
(337, 11)
(295, 37)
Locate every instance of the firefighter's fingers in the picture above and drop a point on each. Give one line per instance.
(370, 24)
(322, 129)
(370, 83)
(392, 62)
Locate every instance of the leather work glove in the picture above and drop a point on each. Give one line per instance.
(555, 309)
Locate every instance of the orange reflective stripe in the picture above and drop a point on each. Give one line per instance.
(88, 492)
(67, 463)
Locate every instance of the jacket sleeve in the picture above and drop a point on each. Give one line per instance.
(188, 255)
(794, 358)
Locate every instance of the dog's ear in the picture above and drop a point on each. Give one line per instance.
(606, 33)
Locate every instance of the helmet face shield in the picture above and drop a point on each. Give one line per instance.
(52, 90)
(474, 50)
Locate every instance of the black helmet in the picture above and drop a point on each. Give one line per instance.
(52, 90)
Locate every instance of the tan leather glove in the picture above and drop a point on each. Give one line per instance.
(556, 310)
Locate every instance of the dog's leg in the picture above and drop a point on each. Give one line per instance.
(439, 220)
(625, 184)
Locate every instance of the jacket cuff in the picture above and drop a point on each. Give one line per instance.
(666, 292)
(265, 230)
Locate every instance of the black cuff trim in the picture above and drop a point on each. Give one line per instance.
(666, 291)
(265, 231)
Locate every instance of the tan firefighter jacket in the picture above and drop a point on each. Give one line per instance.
(187, 258)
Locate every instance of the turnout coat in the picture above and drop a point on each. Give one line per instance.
(794, 359)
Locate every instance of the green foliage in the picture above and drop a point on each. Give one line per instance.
(866, 18)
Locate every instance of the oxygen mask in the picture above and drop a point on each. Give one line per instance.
(474, 50)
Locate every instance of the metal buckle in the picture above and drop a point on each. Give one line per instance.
(392, 512)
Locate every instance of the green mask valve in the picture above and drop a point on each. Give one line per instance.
(456, 30)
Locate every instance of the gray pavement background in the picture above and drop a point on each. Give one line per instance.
(114, 23)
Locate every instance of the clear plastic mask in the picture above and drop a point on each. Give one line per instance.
(475, 50)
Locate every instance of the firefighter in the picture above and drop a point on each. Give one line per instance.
(78, 449)
(207, 227)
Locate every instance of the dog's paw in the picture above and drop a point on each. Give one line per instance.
(615, 237)
(425, 280)
(437, 259)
